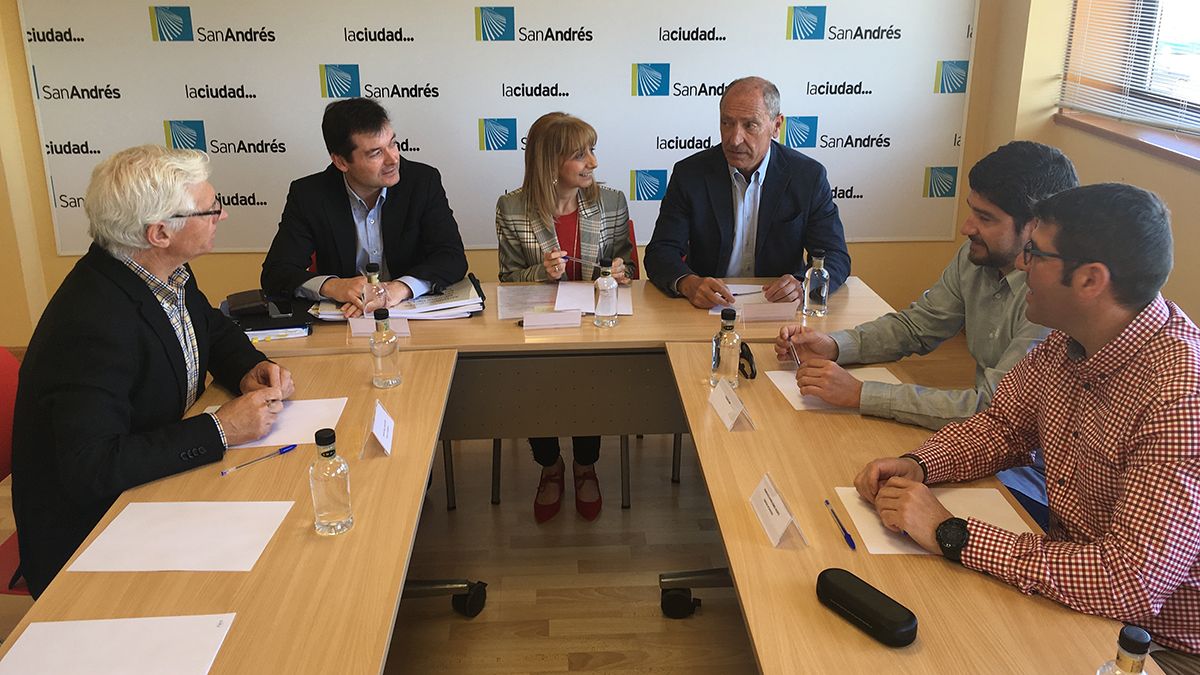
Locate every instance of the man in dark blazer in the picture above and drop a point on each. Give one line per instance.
(120, 355)
(370, 205)
(748, 207)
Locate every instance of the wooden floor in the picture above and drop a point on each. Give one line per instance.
(573, 596)
(570, 596)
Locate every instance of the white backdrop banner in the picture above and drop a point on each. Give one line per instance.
(875, 91)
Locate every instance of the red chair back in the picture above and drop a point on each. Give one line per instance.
(9, 366)
(633, 256)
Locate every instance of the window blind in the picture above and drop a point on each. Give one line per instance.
(1135, 60)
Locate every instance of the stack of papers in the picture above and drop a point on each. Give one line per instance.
(267, 334)
(453, 302)
(457, 301)
(327, 310)
(513, 301)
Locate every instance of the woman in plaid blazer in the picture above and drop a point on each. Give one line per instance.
(560, 211)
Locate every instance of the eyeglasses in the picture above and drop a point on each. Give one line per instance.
(200, 214)
(1032, 252)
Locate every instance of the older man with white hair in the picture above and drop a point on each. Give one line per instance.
(120, 355)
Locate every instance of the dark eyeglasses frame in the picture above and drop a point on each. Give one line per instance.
(1030, 252)
(198, 214)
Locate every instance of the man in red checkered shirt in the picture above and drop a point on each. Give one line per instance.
(1113, 396)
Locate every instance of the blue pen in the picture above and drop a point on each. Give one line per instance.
(849, 539)
(282, 451)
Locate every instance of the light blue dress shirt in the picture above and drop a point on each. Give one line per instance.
(370, 247)
(746, 196)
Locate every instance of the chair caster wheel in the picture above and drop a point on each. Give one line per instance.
(677, 603)
(471, 603)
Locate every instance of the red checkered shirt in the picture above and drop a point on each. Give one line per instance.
(1121, 433)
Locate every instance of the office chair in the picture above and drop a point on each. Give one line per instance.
(10, 557)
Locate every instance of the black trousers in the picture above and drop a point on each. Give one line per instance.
(546, 451)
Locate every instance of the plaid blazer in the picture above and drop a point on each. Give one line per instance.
(603, 232)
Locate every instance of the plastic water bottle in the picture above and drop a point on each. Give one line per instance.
(726, 350)
(385, 350)
(816, 286)
(1132, 645)
(374, 295)
(606, 296)
(329, 478)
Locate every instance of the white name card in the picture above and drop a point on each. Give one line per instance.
(772, 512)
(539, 320)
(724, 399)
(364, 326)
(769, 311)
(382, 427)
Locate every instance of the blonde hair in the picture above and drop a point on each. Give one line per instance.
(137, 187)
(552, 139)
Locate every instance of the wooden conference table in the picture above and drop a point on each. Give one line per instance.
(967, 622)
(311, 604)
(343, 592)
(555, 370)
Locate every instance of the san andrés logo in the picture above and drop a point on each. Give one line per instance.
(174, 24)
(499, 24)
(191, 135)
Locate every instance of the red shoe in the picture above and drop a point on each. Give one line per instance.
(544, 512)
(589, 510)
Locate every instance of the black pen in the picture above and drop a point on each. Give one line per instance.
(849, 539)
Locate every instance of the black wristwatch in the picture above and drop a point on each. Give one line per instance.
(952, 538)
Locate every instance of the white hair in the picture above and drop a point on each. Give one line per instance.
(137, 187)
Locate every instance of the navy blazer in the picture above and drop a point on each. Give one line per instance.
(420, 235)
(796, 212)
(100, 404)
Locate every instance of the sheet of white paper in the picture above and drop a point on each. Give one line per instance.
(727, 403)
(986, 504)
(568, 319)
(513, 301)
(192, 536)
(382, 427)
(625, 301)
(300, 420)
(785, 382)
(744, 289)
(772, 512)
(457, 312)
(364, 326)
(743, 300)
(182, 645)
(769, 311)
(579, 295)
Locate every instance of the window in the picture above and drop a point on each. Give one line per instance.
(1135, 60)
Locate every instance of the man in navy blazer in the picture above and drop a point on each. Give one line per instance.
(120, 355)
(370, 205)
(749, 207)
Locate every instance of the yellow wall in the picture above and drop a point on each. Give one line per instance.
(1018, 56)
